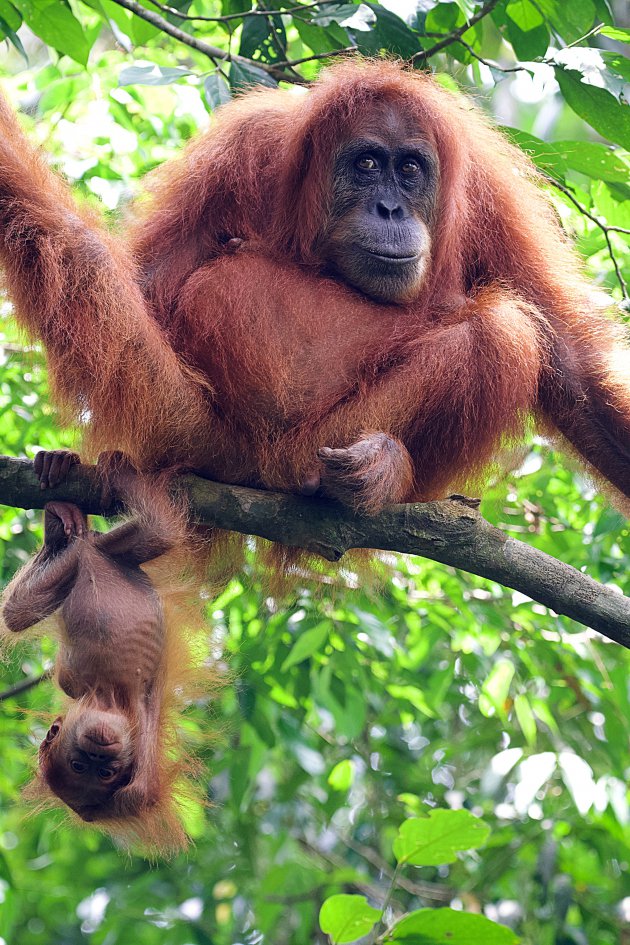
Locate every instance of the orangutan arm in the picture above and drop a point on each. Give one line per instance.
(462, 385)
(585, 396)
(74, 287)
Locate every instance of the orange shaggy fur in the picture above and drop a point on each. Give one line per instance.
(242, 364)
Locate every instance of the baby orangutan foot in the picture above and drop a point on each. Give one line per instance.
(71, 517)
(373, 472)
(52, 466)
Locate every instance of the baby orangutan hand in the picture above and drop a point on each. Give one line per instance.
(373, 472)
(52, 466)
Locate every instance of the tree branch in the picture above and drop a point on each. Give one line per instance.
(212, 52)
(448, 531)
(604, 227)
(453, 37)
(24, 685)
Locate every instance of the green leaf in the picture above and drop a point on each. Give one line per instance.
(56, 26)
(414, 695)
(341, 12)
(596, 106)
(571, 19)
(525, 718)
(443, 18)
(347, 918)
(390, 33)
(151, 74)
(529, 45)
(616, 63)
(14, 39)
(590, 63)
(438, 838)
(342, 776)
(216, 90)
(526, 16)
(10, 15)
(255, 31)
(544, 154)
(449, 927)
(243, 76)
(495, 689)
(526, 30)
(57, 94)
(141, 31)
(595, 160)
(616, 33)
(308, 642)
(321, 40)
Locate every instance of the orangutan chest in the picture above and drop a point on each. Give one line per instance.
(291, 349)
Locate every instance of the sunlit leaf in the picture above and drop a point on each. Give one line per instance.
(439, 837)
(450, 927)
(341, 776)
(347, 918)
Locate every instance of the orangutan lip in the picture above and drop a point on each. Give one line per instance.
(396, 260)
(101, 743)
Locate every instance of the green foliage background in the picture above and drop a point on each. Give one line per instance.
(349, 713)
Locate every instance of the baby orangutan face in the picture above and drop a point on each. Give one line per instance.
(86, 758)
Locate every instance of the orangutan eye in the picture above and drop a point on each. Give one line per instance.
(105, 774)
(410, 168)
(78, 766)
(367, 163)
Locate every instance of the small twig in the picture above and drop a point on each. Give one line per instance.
(29, 683)
(382, 924)
(327, 55)
(606, 230)
(592, 32)
(426, 890)
(239, 16)
(454, 37)
(486, 62)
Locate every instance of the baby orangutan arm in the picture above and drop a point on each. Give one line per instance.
(43, 585)
(155, 528)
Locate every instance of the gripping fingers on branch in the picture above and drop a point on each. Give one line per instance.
(52, 466)
(373, 472)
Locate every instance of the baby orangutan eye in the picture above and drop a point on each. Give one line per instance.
(78, 766)
(106, 774)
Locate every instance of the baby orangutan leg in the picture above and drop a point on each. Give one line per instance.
(373, 472)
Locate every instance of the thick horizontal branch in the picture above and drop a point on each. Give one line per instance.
(448, 531)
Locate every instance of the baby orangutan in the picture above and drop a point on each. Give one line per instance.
(105, 758)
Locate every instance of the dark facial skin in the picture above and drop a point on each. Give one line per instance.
(384, 193)
(87, 759)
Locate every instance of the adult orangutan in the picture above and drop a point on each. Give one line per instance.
(113, 757)
(360, 291)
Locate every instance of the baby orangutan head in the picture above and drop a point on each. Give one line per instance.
(88, 760)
